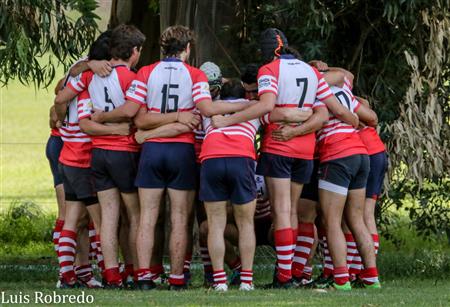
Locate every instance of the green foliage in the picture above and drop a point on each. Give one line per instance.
(31, 28)
(23, 223)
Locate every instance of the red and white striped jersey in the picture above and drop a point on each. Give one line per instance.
(55, 132)
(337, 139)
(296, 85)
(232, 141)
(108, 93)
(77, 146)
(369, 136)
(169, 85)
(262, 210)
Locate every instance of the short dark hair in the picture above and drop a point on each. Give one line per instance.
(232, 89)
(250, 74)
(175, 39)
(123, 39)
(99, 49)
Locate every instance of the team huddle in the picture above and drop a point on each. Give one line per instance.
(287, 156)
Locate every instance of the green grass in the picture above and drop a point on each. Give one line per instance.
(394, 293)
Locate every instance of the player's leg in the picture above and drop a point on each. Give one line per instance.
(354, 261)
(334, 179)
(156, 262)
(131, 201)
(244, 216)
(110, 212)
(232, 259)
(189, 247)
(124, 229)
(150, 200)
(181, 203)
(204, 254)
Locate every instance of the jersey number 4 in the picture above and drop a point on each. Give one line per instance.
(303, 84)
(166, 96)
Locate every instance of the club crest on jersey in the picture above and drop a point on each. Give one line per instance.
(132, 87)
(264, 81)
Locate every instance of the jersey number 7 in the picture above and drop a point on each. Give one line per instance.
(303, 83)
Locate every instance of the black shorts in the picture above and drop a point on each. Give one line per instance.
(262, 231)
(114, 169)
(52, 151)
(378, 167)
(78, 184)
(228, 179)
(343, 174)
(310, 190)
(276, 166)
(167, 165)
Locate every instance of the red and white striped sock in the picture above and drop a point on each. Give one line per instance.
(92, 242)
(341, 275)
(220, 277)
(307, 272)
(369, 276)
(187, 263)
(66, 255)
(177, 280)
(84, 272)
(327, 261)
(157, 270)
(99, 254)
(112, 276)
(143, 275)
(247, 276)
(305, 241)
(376, 242)
(283, 247)
(59, 224)
(206, 260)
(354, 261)
(236, 264)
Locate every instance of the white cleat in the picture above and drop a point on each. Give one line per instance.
(93, 283)
(246, 287)
(220, 287)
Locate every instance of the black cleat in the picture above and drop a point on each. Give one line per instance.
(323, 282)
(276, 284)
(178, 287)
(301, 282)
(108, 286)
(146, 285)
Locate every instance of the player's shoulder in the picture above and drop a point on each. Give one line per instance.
(147, 69)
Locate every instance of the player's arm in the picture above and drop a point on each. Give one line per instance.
(59, 85)
(209, 108)
(341, 112)
(165, 131)
(100, 67)
(289, 115)
(365, 113)
(92, 128)
(314, 123)
(346, 73)
(121, 114)
(53, 118)
(61, 100)
(148, 120)
(255, 110)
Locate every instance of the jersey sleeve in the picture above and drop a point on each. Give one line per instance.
(84, 105)
(323, 89)
(355, 104)
(267, 81)
(348, 83)
(200, 86)
(80, 82)
(137, 91)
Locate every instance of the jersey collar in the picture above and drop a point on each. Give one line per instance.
(287, 57)
(171, 59)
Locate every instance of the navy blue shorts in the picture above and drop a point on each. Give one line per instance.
(167, 165)
(310, 190)
(78, 184)
(228, 179)
(343, 174)
(114, 169)
(52, 151)
(276, 166)
(378, 167)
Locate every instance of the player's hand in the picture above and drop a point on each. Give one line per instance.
(284, 133)
(58, 124)
(97, 116)
(140, 136)
(220, 121)
(195, 121)
(122, 128)
(189, 119)
(321, 66)
(102, 68)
